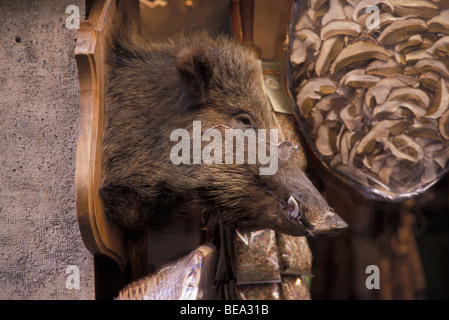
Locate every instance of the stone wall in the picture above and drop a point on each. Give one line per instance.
(39, 106)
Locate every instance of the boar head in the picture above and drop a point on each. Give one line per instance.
(156, 88)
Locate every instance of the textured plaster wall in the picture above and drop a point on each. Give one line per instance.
(39, 105)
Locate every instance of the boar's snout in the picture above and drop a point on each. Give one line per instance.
(328, 223)
(308, 210)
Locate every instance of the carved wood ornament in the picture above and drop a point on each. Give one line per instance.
(98, 234)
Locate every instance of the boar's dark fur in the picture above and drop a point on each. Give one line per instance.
(155, 88)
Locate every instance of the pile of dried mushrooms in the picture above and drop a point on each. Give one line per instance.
(372, 89)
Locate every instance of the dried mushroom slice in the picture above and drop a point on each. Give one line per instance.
(353, 154)
(304, 39)
(305, 22)
(353, 2)
(380, 133)
(387, 169)
(309, 36)
(399, 57)
(430, 172)
(329, 50)
(340, 28)
(357, 52)
(441, 157)
(340, 134)
(358, 71)
(398, 154)
(409, 43)
(384, 68)
(326, 141)
(346, 144)
(378, 163)
(415, 8)
(349, 10)
(428, 40)
(317, 15)
(424, 131)
(330, 101)
(361, 81)
(351, 116)
(313, 121)
(313, 90)
(336, 12)
(332, 118)
(440, 47)
(417, 55)
(387, 18)
(317, 4)
(409, 147)
(391, 107)
(380, 92)
(442, 4)
(431, 165)
(299, 52)
(428, 65)
(414, 95)
(431, 149)
(411, 81)
(440, 102)
(401, 30)
(440, 23)
(368, 161)
(344, 148)
(429, 80)
(444, 125)
(428, 121)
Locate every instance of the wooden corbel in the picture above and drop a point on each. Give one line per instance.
(99, 235)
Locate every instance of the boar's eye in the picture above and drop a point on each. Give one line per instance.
(244, 121)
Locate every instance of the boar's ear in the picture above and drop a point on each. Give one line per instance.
(195, 70)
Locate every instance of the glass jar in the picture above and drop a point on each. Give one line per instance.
(371, 85)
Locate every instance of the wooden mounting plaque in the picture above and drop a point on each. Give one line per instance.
(98, 234)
